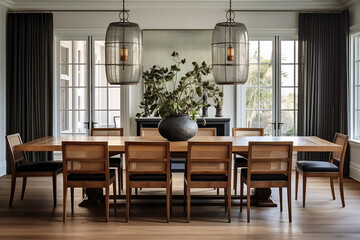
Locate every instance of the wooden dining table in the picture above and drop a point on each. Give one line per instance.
(179, 148)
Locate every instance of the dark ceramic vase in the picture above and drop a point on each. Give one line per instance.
(178, 127)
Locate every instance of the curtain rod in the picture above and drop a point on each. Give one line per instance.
(118, 10)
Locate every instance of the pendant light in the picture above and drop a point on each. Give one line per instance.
(230, 51)
(123, 51)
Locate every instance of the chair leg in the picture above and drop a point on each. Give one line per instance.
(188, 195)
(304, 190)
(168, 204)
(225, 199)
(13, 184)
(115, 194)
(296, 184)
(332, 187)
(121, 179)
(107, 203)
(341, 186)
(217, 191)
(229, 202)
(241, 193)
(248, 202)
(64, 203)
(281, 199)
(128, 193)
(136, 191)
(235, 178)
(23, 188)
(54, 180)
(289, 202)
(83, 193)
(171, 200)
(72, 200)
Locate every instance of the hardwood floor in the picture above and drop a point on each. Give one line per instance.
(35, 218)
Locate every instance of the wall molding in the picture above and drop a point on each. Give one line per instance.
(6, 3)
(355, 28)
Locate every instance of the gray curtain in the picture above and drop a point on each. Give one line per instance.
(29, 83)
(323, 77)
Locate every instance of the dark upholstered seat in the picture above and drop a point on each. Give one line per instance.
(148, 177)
(115, 159)
(240, 159)
(90, 177)
(317, 166)
(264, 177)
(40, 166)
(209, 177)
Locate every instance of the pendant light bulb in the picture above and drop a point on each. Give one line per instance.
(124, 54)
(230, 54)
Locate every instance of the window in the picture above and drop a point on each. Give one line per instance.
(86, 100)
(356, 86)
(271, 90)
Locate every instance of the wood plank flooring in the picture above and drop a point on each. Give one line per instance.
(35, 218)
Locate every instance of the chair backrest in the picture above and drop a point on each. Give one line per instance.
(209, 158)
(85, 158)
(147, 158)
(243, 132)
(339, 157)
(270, 158)
(15, 156)
(107, 132)
(206, 132)
(149, 132)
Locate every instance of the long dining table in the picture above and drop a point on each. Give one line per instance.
(239, 145)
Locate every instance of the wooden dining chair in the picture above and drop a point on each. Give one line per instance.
(325, 169)
(86, 165)
(115, 158)
(240, 159)
(148, 166)
(269, 165)
(20, 167)
(206, 132)
(208, 166)
(149, 132)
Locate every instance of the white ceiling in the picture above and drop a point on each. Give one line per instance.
(116, 4)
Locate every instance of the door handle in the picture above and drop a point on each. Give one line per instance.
(274, 125)
(93, 123)
(279, 124)
(86, 124)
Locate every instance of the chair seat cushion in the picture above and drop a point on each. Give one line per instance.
(317, 166)
(209, 177)
(115, 159)
(264, 177)
(90, 177)
(241, 160)
(147, 177)
(49, 166)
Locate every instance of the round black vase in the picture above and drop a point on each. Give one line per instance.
(178, 127)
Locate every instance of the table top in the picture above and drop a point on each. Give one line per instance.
(240, 144)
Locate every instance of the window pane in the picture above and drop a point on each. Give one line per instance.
(252, 98)
(253, 79)
(65, 52)
(357, 127)
(296, 52)
(253, 52)
(99, 52)
(287, 98)
(287, 75)
(100, 76)
(287, 52)
(79, 118)
(114, 117)
(65, 98)
(65, 122)
(265, 121)
(266, 98)
(79, 52)
(101, 119)
(266, 52)
(252, 120)
(114, 98)
(266, 75)
(100, 98)
(80, 98)
(287, 128)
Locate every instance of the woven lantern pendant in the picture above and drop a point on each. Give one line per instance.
(123, 51)
(230, 51)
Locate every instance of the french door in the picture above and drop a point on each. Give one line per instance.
(85, 98)
(269, 97)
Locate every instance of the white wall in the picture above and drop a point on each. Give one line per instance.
(354, 12)
(258, 24)
(3, 12)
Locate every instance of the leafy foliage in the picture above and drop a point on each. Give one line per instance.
(165, 95)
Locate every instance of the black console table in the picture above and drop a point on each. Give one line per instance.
(222, 124)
